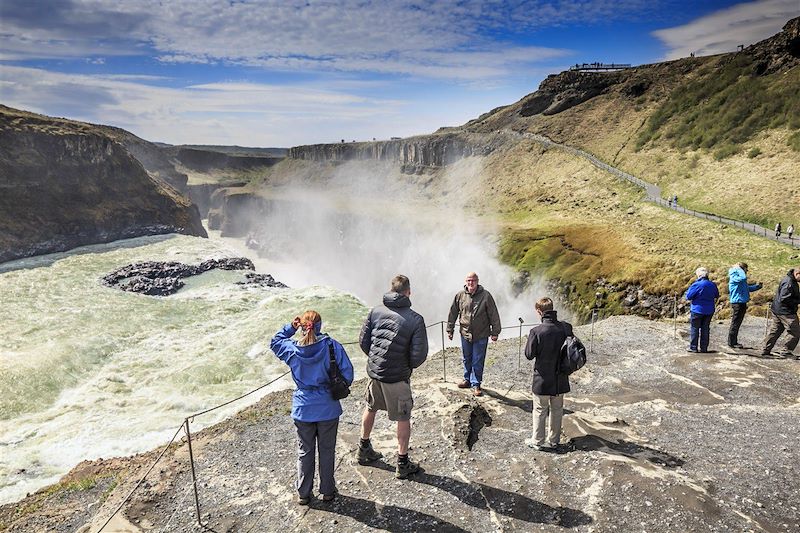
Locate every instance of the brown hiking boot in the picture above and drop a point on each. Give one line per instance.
(464, 384)
(368, 455)
(477, 391)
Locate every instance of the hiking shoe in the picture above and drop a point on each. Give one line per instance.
(368, 455)
(692, 350)
(476, 391)
(406, 469)
(786, 354)
(737, 346)
(329, 497)
(530, 443)
(464, 384)
(303, 500)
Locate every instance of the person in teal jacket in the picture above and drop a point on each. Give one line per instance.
(738, 294)
(703, 294)
(315, 412)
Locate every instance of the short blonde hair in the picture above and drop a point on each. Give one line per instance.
(701, 272)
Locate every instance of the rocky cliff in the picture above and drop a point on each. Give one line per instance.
(206, 160)
(414, 154)
(65, 184)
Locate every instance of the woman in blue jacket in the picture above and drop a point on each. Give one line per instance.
(738, 294)
(703, 294)
(315, 412)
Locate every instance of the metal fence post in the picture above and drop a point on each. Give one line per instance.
(675, 316)
(444, 361)
(194, 475)
(519, 353)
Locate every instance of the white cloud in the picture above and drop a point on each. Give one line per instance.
(724, 30)
(225, 113)
(437, 39)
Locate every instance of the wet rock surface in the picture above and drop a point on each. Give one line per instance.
(158, 278)
(655, 439)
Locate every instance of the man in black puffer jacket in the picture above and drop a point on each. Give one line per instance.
(395, 341)
(549, 385)
(784, 315)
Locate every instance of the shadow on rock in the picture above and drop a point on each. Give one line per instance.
(388, 518)
(627, 449)
(507, 503)
(525, 405)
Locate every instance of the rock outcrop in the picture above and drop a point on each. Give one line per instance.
(654, 439)
(65, 184)
(158, 278)
(414, 154)
(206, 160)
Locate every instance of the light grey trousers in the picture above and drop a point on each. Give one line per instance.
(312, 436)
(544, 408)
(776, 326)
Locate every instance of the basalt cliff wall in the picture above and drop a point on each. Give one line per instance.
(414, 154)
(65, 184)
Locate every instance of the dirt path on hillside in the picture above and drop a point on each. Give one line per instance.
(653, 192)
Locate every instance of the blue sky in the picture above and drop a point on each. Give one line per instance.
(284, 73)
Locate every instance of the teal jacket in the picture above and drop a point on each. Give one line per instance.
(738, 288)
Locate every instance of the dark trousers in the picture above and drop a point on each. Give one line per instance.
(312, 435)
(699, 327)
(791, 324)
(737, 316)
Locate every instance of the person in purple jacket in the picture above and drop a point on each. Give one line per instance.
(703, 295)
(315, 412)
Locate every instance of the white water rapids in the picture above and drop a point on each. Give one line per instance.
(88, 371)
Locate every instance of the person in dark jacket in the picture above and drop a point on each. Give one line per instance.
(315, 412)
(479, 321)
(395, 341)
(703, 294)
(784, 315)
(549, 385)
(738, 294)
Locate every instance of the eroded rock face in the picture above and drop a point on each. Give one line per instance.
(65, 184)
(157, 278)
(413, 154)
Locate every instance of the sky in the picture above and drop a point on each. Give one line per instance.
(285, 73)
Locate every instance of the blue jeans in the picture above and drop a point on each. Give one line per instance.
(474, 356)
(699, 326)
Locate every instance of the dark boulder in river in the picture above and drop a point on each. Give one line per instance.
(158, 278)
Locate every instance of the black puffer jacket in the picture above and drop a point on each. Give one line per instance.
(787, 299)
(394, 339)
(544, 344)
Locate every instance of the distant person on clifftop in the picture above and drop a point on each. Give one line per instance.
(784, 315)
(315, 412)
(395, 341)
(703, 295)
(739, 294)
(675, 200)
(790, 231)
(478, 320)
(778, 230)
(549, 385)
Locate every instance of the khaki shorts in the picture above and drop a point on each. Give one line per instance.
(394, 398)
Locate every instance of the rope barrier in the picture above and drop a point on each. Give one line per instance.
(128, 497)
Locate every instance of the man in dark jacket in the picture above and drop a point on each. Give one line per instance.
(395, 341)
(478, 321)
(784, 314)
(549, 385)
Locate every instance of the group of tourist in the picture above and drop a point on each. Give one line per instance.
(703, 295)
(779, 230)
(395, 341)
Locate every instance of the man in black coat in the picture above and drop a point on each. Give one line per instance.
(549, 385)
(395, 341)
(784, 314)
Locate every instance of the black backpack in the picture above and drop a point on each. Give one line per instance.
(572, 356)
(338, 385)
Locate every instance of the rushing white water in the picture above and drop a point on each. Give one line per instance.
(88, 371)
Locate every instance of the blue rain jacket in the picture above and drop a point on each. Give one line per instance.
(738, 288)
(312, 400)
(702, 293)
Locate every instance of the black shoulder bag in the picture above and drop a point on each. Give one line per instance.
(338, 385)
